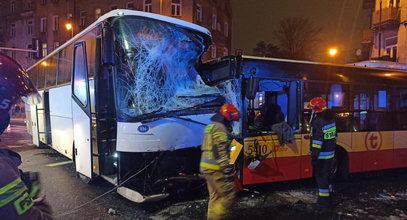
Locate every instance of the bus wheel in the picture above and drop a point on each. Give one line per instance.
(340, 165)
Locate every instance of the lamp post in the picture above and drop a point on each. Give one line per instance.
(69, 27)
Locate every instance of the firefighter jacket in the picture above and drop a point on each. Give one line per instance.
(323, 138)
(15, 200)
(215, 152)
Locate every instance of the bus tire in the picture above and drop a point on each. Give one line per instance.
(340, 165)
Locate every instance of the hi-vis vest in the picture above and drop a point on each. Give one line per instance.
(215, 155)
(16, 193)
(323, 137)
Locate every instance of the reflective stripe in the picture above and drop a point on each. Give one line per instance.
(11, 191)
(10, 186)
(328, 126)
(210, 166)
(317, 142)
(209, 128)
(326, 155)
(323, 192)
(222, 159)
(316, 146)
(221, 135)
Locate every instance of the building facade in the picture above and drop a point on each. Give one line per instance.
(41, 23)
(387, 37)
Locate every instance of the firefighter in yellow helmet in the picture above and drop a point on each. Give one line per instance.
(215, 162)
(323, 143)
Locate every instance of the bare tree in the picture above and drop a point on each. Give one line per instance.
(297, 38)
(264, 49)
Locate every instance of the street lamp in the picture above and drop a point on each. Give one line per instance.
(69, 27)
(332, 52)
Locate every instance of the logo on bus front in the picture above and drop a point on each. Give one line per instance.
(143, 128)
(373, 141)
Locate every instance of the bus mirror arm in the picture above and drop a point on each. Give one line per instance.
(108, 45)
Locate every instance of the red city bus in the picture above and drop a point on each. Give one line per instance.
(370, 105)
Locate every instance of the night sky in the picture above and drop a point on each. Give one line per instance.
(342, 21)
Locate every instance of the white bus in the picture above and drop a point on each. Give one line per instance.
(125, 94)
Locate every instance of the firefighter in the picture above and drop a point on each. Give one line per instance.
(16, 191)
(215, 162)
(323, 142)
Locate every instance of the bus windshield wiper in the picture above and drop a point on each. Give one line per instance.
(206, 107)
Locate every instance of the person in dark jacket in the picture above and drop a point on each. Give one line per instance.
(323, 143)
(215, 162)
(17, 194)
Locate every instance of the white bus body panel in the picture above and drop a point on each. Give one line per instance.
(81, 135)
(166, 134)
(61, 119)
(34, 125)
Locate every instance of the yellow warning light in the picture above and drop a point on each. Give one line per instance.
(94, 167)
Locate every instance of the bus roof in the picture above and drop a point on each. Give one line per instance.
(381, 64)
(307, 70)
(125, 12)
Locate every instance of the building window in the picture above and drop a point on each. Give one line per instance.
(29, 54)
(199, 13)
(391, 47)
(43, 25)
(44, 50)
(55, 23)
(113, 7)
(29, 27)
(225, 51)
(13, 7)
(13, 30)
(226, 29)
(98, 13)
(56, 45)
(176, 7)
(130, 5)
(82, 18)
(147, 5)
(213, 55)
(29, 5)
(214, 21)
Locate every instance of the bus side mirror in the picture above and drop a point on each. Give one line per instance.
(108, 46)
(252, 87)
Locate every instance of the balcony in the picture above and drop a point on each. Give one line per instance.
(389, 16)
(367, 36)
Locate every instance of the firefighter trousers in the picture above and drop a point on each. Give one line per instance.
(221, 195)
(323, 179)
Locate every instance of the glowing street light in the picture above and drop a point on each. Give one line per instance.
(332, 52)
(69, 27)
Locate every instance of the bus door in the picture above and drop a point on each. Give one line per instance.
(34, 125)
(81, 116)
(276, 103)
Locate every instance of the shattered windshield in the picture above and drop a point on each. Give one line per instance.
(156, 68)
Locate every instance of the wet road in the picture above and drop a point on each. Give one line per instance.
(376, 195)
